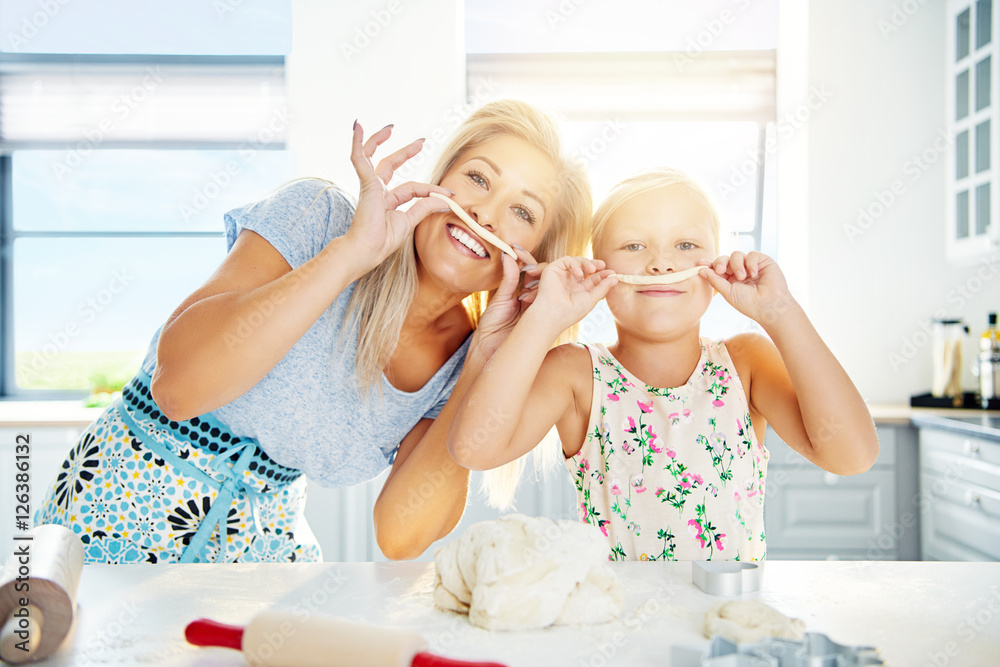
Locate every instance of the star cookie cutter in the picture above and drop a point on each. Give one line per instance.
(813, 650)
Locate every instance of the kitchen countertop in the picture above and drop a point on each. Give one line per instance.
(986, 425)
(915, 612)
(38, 414)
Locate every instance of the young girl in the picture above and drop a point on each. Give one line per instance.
(663, 431)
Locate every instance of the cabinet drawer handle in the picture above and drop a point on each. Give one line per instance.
(972, 498)
(971, 447)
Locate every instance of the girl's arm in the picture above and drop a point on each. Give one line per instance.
(426, 491)
(234, 329)
(525, 389)
(795, 382)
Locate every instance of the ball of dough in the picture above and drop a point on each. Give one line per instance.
(749, 621)
(520, 573)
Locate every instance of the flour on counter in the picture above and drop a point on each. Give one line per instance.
(749, 621)
(523, 573)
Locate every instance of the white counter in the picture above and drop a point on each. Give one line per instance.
(914, 612)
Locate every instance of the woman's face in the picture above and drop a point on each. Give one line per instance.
(658, 232)
(507, 186)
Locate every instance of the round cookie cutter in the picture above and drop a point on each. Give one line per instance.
(726, 577)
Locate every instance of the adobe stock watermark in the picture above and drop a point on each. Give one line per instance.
(121, 109)
(31, 26)
(365, 34)
(633, 621)
(483, 90)
(913, 169)
(202, 196)
(100, 646)
(899, 16)
(967, 630)
(703, 40)
(88, 310)
(299, 614)
(958, 296)
(434, 480)
(793, 121)
(562, 12)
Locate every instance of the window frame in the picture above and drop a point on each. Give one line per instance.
(9, 389)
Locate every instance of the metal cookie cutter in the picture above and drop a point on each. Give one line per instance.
(813, 650)
(726, 577)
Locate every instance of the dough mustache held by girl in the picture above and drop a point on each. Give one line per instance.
(663, 430)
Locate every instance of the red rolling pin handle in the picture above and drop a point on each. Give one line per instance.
(206, 632)
(431, 660)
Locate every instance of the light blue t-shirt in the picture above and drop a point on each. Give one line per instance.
(307, 413)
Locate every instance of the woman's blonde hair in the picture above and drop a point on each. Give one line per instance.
(382, 297)
(647, 181)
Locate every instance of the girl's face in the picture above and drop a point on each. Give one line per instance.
(507, 186)
(655, 233)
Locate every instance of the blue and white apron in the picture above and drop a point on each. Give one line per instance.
(141, 488)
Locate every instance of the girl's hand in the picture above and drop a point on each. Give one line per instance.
(378, 228)
(752, 283)
(569, 288)
(504, 309)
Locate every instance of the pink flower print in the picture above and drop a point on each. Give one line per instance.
(723, 376)
(636, 482)
(686, 416)
(720, 541)
(671, 453)
(694, 527)
(613, 398)
(627, 448)
(697, 478)
(616, 487)
(717, 403)
(585, 463)
(604, 529)
(656, 448)
(583, 512)
(674, 418)
(736, 496)
(631, 424)
(647, 408)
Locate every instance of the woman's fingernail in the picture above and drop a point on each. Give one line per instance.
(531, 284)
(355, 126)
(529, 267)
(422, 139)
(442, 210)
(521, 298)
(450, 193)
(517, 246)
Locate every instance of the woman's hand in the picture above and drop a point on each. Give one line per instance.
(378, 228)
(752, 283)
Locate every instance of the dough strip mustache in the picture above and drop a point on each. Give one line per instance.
(481, 231)
(666, 279)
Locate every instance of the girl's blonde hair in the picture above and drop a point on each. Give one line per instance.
(382, 297)
(647, 181)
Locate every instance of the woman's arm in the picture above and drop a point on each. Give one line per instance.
(796, 383)
(232, 331)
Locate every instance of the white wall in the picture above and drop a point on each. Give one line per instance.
(378, 61)
(871, 296)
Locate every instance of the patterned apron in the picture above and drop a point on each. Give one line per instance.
(141, 488)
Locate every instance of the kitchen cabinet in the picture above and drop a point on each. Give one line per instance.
(960, 488)
(811, 514)
(971, 73)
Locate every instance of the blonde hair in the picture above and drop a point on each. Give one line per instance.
(382, 297)
(647, 181)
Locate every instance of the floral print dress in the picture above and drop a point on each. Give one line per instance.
(672, 474)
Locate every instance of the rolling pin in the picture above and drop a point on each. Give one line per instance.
(283, 639)
(38, 593)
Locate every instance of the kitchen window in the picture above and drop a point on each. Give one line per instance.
(122, 143)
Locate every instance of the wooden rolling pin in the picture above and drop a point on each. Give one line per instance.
(38, 593)
(283, 639)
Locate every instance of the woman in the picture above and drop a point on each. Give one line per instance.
(328, 342)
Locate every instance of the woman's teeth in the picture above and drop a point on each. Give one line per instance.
(466, 240)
